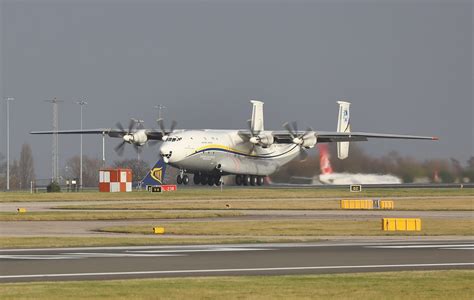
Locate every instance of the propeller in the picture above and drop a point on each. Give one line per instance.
(293, 130)
(304, 140)
(257, 138)
(161, 123)
(127, 136)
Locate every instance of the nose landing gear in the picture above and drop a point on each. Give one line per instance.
(182, 178)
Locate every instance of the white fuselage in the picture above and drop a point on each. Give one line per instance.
(224, 151)
(348, 178)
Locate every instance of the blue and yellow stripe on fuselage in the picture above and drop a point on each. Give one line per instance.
(222, 148)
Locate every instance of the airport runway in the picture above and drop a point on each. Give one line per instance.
(219, 260)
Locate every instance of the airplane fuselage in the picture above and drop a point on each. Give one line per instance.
(224, 152)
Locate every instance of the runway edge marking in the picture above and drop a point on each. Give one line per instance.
(234, 270)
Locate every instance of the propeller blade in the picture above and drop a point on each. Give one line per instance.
(137, 148)
(308, 130)
(287, 126)
(120, 148)
(121, 131)
(173, 125)
(303, 154)
(152, 142)
(162, 125)
(295, 126)
(130, 125)
(119, 126)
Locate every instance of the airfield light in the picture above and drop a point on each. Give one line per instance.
(160, 108)
(81, 103)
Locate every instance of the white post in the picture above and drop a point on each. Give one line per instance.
(8, 141)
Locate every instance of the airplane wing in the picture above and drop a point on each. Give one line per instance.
(284, 137)
(152, 134)
(328, 137)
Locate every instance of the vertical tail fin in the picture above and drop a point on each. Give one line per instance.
(156, 175)
(324, 162)
(257, 116)
(343, 125)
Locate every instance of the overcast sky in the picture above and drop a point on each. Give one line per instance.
(407, 67)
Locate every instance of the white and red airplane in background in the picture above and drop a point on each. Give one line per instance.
(328, 176)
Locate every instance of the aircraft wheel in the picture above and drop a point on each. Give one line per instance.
(260, 180)
(211, 180)
(185, 179)
(204, 179)
(238, 179)
(246, 180)
(253, 180)
(197, 178)
(179, 179)
(217, 180)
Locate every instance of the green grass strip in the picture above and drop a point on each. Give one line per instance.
(453, 284)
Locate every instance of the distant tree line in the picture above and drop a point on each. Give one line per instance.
(407, 168)
(22, 171)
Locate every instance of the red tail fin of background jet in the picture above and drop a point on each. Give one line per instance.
(324, 162)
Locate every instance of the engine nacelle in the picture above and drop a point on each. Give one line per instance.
(138, 138)
(265, 139)
(309, 140)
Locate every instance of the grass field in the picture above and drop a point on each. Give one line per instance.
(453, 284)
(443, 203)
(197, 201)
(288, 228)
(234, 193)
(114, 215)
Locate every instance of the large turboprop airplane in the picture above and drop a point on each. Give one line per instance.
(250, 154)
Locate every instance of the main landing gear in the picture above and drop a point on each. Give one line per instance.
(209, 179)
(247, 180)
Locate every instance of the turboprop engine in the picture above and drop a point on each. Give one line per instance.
(306, 140)
(131, 136)
(264, 139)
(138, 138)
